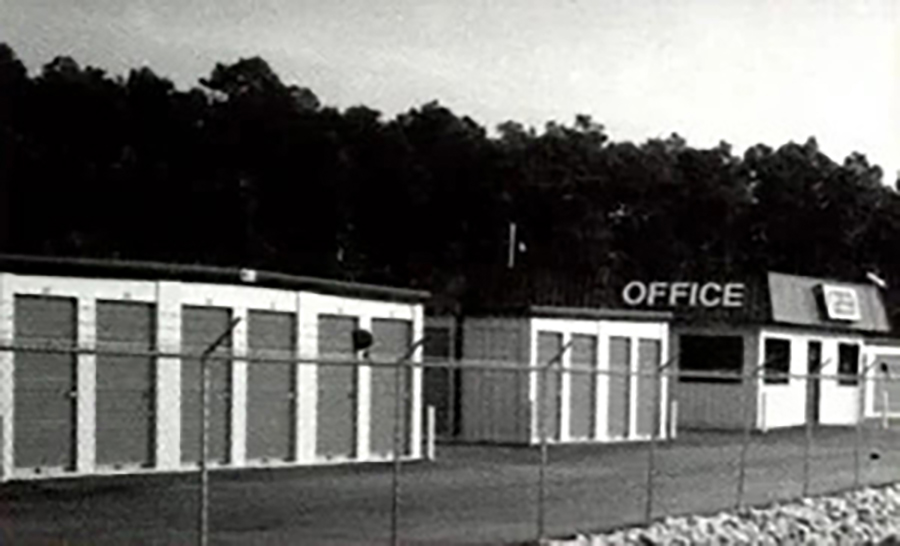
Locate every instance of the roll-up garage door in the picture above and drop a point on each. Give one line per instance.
(125, 394)
(583, 387)
(336, 401)
(549, 346)
(270, 386)
(392, 339)
(200, 327)
(649, 354)
(44, 389)
(619, 396)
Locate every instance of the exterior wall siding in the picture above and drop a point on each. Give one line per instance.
(715, 405)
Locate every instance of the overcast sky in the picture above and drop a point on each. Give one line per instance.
(744, 71)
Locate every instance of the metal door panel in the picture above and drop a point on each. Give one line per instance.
(583, 387)
(649, 354)
(392, 339)
(549, 346)
(619, 394)
(200, 327)
(125, 384)
(336, 387)
(270, 386)
(44, 383)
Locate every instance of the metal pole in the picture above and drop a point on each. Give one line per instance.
(860, 415)
(399, 399)
(807, 446)
(654, 433)
(543, 398)
(748, 421)
(203, 537)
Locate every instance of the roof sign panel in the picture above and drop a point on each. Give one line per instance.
(841, 303)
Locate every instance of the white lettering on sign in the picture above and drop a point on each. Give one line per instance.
(840, 303)
(692, 294)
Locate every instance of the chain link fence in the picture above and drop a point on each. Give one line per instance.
(217, 446)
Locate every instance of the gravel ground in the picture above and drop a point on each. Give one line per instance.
(867, 516)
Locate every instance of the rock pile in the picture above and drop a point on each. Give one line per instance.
(867, 516)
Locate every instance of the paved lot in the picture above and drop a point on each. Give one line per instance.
(471, 495)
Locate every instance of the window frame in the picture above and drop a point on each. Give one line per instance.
(848, 379)
(728, 375)
(780, 375)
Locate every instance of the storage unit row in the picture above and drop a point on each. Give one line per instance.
(118, 387)
(605, 386)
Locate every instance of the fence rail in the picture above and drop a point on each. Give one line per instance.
(382, 408)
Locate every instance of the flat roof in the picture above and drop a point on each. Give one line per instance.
(127, 269)
(575, 313)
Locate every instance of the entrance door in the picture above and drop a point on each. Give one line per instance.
(336, 402)
(44, 384)
(813, 391)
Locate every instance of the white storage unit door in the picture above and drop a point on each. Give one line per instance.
(619, 395)
(270, 386)
(392, 339)
(44, 388)
(649, 354)
(200, 327)
(336, 389)
(549, 346)
(583, 387)
(125, 393)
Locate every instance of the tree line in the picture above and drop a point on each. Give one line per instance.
(244, 169)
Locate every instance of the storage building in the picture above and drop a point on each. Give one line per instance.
(116, 388)
(500, 405)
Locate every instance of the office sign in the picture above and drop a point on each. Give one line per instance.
(691, 294)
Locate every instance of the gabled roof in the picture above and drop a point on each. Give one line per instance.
(96, 268)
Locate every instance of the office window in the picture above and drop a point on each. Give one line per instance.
(848, 364)
(777, 361)
(711, 359)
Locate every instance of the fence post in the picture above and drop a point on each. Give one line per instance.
(654, 434)
(860, 417)
(746, 399)
(203, 531)
(430, 432)
(400, 395)
(544, 398)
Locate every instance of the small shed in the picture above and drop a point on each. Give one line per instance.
(117, 389)
(603, 388)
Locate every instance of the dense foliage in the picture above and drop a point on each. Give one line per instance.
(247, 170)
